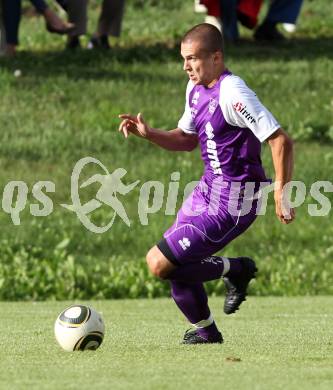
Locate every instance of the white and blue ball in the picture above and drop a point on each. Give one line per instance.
(79, 328)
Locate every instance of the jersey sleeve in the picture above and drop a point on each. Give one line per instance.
(186, 122)
(241, 107)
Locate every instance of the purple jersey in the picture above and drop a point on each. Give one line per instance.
(231, 123)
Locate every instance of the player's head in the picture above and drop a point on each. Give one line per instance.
(202, 50)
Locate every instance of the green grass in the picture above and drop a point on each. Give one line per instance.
(272, 343)
(65, 107)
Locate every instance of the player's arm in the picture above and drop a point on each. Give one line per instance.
(174, 140)
(242, 108)
(283, 160)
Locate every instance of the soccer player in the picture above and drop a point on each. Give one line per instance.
(229, 122)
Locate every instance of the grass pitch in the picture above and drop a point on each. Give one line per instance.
(65, 107)
(272, 343)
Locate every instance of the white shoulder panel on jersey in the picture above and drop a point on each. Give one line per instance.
(186, 122)
(241, 107)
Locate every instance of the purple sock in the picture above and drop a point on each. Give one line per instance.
(211, 268)
(191, 298)
(236, 266)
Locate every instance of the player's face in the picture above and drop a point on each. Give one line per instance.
(198, 63)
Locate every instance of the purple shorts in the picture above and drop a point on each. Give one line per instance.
(202, 228)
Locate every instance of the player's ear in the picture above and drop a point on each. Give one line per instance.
(217, 57)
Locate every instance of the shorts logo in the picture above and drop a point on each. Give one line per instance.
(212, 105)
(241, 108)
(196, 98)
(184, 243)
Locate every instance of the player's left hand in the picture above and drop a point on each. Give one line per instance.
(284, 212)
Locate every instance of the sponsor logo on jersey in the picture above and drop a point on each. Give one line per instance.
(241, 108)
(211, 150)
(195, 98)
(212, 105)
(185, 243)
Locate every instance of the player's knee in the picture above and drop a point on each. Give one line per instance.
(156, 264)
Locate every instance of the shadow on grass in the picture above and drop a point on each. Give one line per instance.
(289, 50)
(87, 64)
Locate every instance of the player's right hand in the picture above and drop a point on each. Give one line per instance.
(133, 124)
(284, 212)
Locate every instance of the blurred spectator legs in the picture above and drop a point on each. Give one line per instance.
(280, 11)
(284, 11)
(12, 16)
(230, 12)
(109, 23)
(77, 15)
(11, 19)
(246, 11)
(54, 23)
(110, 20)
(212, 10)
(229, 19)
(2, 33)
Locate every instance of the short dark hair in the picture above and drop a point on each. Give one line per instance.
(210, 36)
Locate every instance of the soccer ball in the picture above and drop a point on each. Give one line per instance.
(79, 328)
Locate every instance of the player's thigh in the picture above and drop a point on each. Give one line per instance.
(158, 263)
(191, 240)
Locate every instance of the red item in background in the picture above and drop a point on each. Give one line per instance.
(247, 10)
(213, 7)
